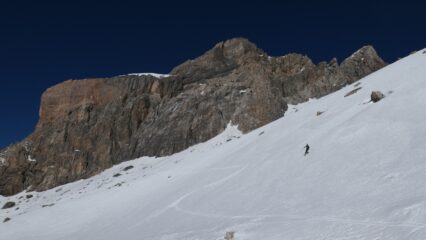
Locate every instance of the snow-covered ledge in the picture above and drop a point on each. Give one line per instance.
(156, 75)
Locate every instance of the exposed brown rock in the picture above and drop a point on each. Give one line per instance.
(376, 96)
(86, 126)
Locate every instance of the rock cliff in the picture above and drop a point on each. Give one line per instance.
(86, 126)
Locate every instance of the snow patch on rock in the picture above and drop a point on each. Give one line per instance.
(156, 75)
(30, 159)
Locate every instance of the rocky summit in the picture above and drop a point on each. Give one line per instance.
(86, 126)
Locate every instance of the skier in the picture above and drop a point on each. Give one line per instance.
(306, 149)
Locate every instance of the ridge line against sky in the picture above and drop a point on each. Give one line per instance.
(44, 43)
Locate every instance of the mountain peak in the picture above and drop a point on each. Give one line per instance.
(223, 57)
(365, 60)
(366, 50)
(237, 47)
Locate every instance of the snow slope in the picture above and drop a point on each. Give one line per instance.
(364, 178)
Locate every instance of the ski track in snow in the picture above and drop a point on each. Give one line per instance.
(289, 217)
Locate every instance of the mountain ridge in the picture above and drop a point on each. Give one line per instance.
(86, 126)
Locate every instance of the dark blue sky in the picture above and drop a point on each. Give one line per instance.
(43, 43)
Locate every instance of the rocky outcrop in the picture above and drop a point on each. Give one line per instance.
(86, 126)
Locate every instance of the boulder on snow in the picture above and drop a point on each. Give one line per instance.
(6, 219)
(229, 236)
(8, 205)
(376, 96)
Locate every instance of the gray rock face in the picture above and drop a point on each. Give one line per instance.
(86, 126)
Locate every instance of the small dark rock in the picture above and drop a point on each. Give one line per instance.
(261, 133)
(319, 113)
(376, 96)
(229, 236)
(128, 168)
(424, 51)
(116, 175)
(357, 84)
(118, 185)
(353, 91)
(48, 205)
(6, 220)
(8, 205)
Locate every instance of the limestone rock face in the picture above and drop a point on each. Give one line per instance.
(86, 126)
